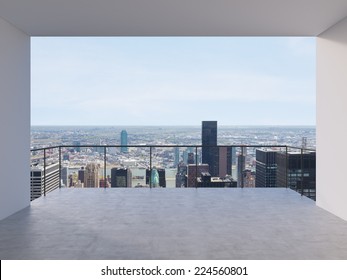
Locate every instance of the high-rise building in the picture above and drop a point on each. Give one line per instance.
(193, 172)
(191, 158)
(43, 180)
(177, 156)
(81, 174)
(298, 172)
(162, 177)
(156, 177)
(241, 166)
(91, 176)
(124, 141)
(209, 150)
(138, 177)
(224, 161)
(248, 178)
(65, 176)
(266, 168)
(233, 155)
(121, 178)
(181, 175)
(185, 156)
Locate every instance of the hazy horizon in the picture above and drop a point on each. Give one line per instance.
(178, 125)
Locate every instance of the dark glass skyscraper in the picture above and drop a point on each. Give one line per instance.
(121, 178)
(124, 141)
(298, 172)
(210, 154)
(266, 168)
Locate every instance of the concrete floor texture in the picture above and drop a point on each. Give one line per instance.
(177, 224)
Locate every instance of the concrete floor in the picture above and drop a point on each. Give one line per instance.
(173, 224)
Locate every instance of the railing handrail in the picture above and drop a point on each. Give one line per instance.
(301, 148)
(171, 146)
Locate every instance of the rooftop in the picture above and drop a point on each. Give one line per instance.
(189, 223)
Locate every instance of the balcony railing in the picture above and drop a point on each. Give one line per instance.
(243, 166)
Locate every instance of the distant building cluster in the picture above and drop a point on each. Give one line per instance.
(124, 166)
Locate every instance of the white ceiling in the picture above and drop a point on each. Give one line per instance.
(174, 17)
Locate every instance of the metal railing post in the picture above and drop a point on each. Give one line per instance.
(241, 167)
(105, 182)
(150, 167)
(196, 166)
(231, 161)
(44, 172)
(286, 167)
(59, 167)
(302, 173)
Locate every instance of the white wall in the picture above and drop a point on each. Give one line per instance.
(332, 119)
(14, 119)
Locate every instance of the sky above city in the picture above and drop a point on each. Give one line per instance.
(173, 80)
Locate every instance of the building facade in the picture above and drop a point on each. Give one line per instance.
(210, 154)
(194, 172)
(91, 176)
(124, 141)
(266, 169)
(298, 172)
(121, 178)
(241, 166)
(224, 161)
(43, 180)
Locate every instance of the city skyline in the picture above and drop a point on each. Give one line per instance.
(162, 80)
(168, 165)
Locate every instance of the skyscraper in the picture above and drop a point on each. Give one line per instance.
(224, 161)
(81, 174)
(181, 176)
(193, 172)
(162, 177)
(156, 177)
(65, 175)
(121, 178)
(210, 154)
(301, 173)
(177, 156)
(42, 180)
(248, 178)
(233, 155)
(266, 168)
(191, 158)
(91, 176)
(241, 166)
(124, 141)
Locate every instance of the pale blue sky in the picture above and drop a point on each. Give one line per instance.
(173, 80)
